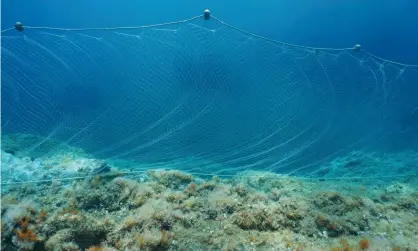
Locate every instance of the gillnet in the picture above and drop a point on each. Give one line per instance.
(201, 96)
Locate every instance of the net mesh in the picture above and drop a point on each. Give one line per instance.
(203, 96)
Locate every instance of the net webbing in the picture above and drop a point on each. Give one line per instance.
(205, 97)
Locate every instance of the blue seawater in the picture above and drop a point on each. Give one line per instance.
(211, 97)
(272, 125)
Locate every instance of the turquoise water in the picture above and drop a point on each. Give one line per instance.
(206, 97)
(278, 135)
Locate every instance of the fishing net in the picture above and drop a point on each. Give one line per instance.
(200, 96)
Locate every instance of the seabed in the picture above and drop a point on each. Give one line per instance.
(103, 208)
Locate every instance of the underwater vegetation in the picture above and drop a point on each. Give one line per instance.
(202, 136)
(173, 210)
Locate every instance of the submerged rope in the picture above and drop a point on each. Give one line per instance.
(106, 28)
(313, 49)
(355, 48)
(278, 176)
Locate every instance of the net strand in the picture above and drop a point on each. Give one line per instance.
(107, 28)
(203, 174)
(8, 29)
(221, 22)
(277, 41)
(307, 47)
(197, 65)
